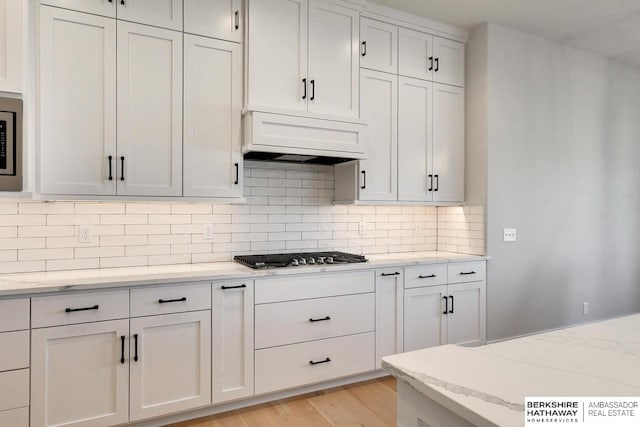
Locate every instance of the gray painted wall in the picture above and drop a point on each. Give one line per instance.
(562, 153)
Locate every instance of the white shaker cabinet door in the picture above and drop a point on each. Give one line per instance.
(448, 146)
(170, 363)
(466, 313)
(96, 7)
(13, 18)
(415, 54)
(378, 46)
(159, 13)
(232, 341)
(333, 59)
(415, 139)
(379, 110)
(389, 313)
(449, 62)
(220, 19)
(212, 113)
(78, 103)
(277, 54)
(425, 321)
(80, 375)
(149, 159)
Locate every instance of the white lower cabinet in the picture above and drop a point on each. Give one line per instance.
(80, 375)
(389, 313)
(170, 363)
(232, 341)
(15, 417)
(466, 313)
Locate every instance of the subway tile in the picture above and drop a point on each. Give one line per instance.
(147, 229)
(44, 231)
(44, 254)
(217, 238)
(268, 246)
(292, 235)
(98, 252)
(8, 256)
(126, 261)
(70, 242)
(148, 208)
(212, 257)
(123, 219)
(61, 208)
(169, 219)
(9, 220)
(8, 209)
(148, 250)
(267, 228)
(100, 208)
(73, 219)
(22, 266)
(123, 240)
(211, 219)
(285, 218)
(191, 248)
(302, 244)
(22, 243)
(170, 259)
(8, 232)
(302, 226)
(73, 264)
(169, 239)
(106, 230)
(231, 209)
(191, 208)
(249, 237)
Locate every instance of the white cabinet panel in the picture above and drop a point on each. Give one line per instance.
(55, 310)
(425, 324)
(415, 136)
(149, 111)
(14, 389)
(389, 313)
(378, 46)
(461, 272)
(415, 57)
(170, 299)
(466, 318)
(220, 19)
(13, 18)
(96, 7)
(448, 147)
(15, 417)
(79, 376)
(77, 103)
(333, 59)
(425, 275)
(379, 109)
(14, 350)
(277, 53)
(232, 341)
(159, 13)
(212, 114)
(170, 363)
(14, 314)
(449, 67)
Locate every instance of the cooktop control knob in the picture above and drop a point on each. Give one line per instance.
(311, 260)
(294, 262)
(302, 261)
(321, 259)
(329, 260)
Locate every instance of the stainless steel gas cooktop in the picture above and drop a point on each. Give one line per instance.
(298, 259)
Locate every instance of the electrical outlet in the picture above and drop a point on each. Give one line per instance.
(362, 228)
(585, 308)
(510, 235)
(209, 232)
(85, 234)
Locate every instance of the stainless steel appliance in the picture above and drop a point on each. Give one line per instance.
(298, 259)
(10, 144)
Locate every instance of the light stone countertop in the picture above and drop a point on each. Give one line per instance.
(487, 385)
(47, 282)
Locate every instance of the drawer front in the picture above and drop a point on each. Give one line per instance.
(313, 286)
(170, 299)
(425, 275)
(79, 308)
(14, 350)
(14, 314)
(14, 390)
(15, 417)
(298, 321)
(461, 272)
(290, 366)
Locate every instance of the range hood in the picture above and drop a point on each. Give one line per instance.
(301, 139)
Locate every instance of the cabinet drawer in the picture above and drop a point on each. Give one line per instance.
(279, 368)
(298, 321)
(461, 272)
(15, 417)
(14, 350)
(425, 275)
(170, 299)
(79, 308)
(14, 390)
(14, 314)
(313, 286)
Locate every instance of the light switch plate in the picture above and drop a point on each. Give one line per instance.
(85, 234)
(510, 235)
(209, 232)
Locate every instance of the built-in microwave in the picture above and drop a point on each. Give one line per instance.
(10, 144)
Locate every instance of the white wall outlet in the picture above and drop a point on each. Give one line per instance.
(85, 234)
(419, 229)
(510, 235)
(209, 232)
(585, 308)
(362, 228)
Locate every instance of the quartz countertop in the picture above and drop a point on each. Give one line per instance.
(34, 283)
(487, 385)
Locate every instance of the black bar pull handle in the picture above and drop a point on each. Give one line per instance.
(431, 276)
(319, 320)
(233, 287)
(446, 305)
(167, 301)
(110, 168)
(430, 63)
(122, 353)
(467, 273)
(451, 309)
(237, 181)
(122, 2)
(364, 180)
(304, 84)
(430, 182)
(73, 310)
(364, 48)
(313, 90)
(122, 168)
(236, 17)
(327, 360)
(135, 340)
(437, 177)
(437, 65)
(397, 273)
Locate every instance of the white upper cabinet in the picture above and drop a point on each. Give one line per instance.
(77, 103)
(415, 57)
(448, 146)
(333, 59)
(13, 16)
(277, 60)
(159, 13)
(149, 111)
(220, 19)
(96, 7)
(212, 110)
(378, 46)
(448, 62)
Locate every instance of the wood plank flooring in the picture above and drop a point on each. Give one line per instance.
(370, 404)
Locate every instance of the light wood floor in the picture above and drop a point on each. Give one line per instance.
(370, 404)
